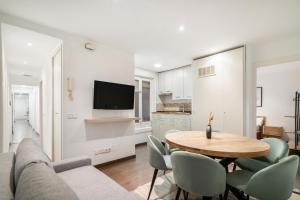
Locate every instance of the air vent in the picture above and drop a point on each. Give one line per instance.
(206, 71)
(27, 75)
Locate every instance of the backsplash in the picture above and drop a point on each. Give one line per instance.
(184, 106)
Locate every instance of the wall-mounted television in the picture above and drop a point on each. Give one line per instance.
(113, 96)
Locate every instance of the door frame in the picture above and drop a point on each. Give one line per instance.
(59, 49)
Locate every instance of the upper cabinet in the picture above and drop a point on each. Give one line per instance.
(165, 82)
(177, 79)
(177, 82)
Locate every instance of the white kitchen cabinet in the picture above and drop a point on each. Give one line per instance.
(178, 82)
(177, 86)
(187, 82)
(161, 123)
(165, 82)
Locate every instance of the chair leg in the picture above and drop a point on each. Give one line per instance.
(185, 195)
(178, 193)
(206, 198)
(164, 172)
(220, 197)
(237, 193)
(226, 193)
(152, 183)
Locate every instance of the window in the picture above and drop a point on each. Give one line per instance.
(142, 106)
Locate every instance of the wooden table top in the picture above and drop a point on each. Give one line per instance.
(223, 145)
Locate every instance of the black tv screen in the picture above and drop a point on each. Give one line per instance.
(113, 96)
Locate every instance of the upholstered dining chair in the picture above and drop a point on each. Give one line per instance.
(275, 182)
(198, 174)
(170, 149)
(157, 158)
(278, 150)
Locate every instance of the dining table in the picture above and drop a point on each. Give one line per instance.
(226, 146)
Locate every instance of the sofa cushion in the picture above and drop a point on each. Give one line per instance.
(38, 181)
(27, 153)
(90, 183)
(7, 161)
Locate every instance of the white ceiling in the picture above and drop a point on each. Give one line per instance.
(149, 28)
(24, 59)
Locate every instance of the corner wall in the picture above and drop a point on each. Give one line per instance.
(83, 66)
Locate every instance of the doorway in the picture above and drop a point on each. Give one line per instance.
(275, 106)
(25, 114)
(28, 61)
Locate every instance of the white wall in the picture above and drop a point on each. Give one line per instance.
(1, 92)
(5, 104)
(279, 82)
(83, 66)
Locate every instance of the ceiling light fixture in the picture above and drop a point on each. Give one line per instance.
(29, 44)
(181, 28)
(158, 65)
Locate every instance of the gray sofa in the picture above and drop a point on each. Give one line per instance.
(28, 174)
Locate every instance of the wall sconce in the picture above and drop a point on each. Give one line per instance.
(70, 88)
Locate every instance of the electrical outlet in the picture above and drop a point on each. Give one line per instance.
(102, 151)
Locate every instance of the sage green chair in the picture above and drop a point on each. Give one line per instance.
(170, 149)
(278, 150)
(198, 174)
(157, 158)
(275, 182)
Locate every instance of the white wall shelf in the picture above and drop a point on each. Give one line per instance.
(102, 120)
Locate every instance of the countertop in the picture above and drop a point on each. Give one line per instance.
(172, 113)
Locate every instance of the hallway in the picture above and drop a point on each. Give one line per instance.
(22, 130)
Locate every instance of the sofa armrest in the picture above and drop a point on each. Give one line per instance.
(71, 163)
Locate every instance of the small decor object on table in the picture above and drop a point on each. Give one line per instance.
(208, 128)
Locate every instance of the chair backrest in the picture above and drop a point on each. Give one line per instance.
(198, 174)
(156, 152)
(275, 182)
(278, 150)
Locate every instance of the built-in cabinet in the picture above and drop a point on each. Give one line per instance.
(177, 82)
(221, 93)
(161, 123)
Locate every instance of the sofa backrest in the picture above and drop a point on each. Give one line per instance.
(28, 152)
(7, 188)
(39, 181)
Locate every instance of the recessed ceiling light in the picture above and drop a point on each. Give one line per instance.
(181, 28)
(158, 65)
(29, 44)
(25, 62)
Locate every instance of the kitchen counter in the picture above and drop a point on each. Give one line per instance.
(162, 122)
(172, 113)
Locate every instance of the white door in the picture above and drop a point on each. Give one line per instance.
(221, 93)
(187, 82)
(233, 91)
(207, 96)
(57, 98)
(21, 106)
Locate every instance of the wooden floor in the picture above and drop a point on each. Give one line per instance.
(137, 171)
(133, 172)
